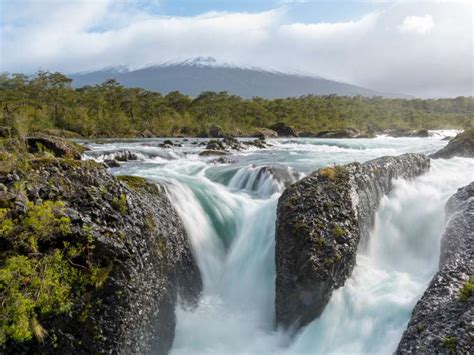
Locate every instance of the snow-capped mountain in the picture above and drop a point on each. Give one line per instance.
(193, 76)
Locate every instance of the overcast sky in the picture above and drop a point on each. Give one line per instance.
(423, 48)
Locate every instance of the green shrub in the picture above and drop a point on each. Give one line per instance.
(120, 204)
(42, 272)
(41, 222)
(467, 289)
(450, 343)
(32, 287)
(339, 232)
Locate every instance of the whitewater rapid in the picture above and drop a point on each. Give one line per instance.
(229, 212)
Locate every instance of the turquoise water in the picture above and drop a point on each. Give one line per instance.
(229, 212)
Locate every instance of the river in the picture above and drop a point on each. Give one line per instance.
(228, 208)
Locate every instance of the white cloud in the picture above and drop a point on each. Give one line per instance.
(383, 51)
(417, 24)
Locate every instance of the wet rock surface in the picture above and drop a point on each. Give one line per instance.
(137, 235)
(344, 133)
(265, 133)
(320, 222)
(284, 130)
(443, 320)
(57, 146)
(460, 146)
(402, 132)
(215, 132)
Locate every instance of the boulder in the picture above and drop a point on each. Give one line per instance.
(343, 133)
(265, 133)
(111, 163)
(125, 155)
(147, 134)
(460, 146)
(207, 153)
(403, 132)
(59, 147)
(283, 130)
(320, 221)
(442, 320)
(167, 143)
(121, 252)
(258, 143)
(397, 132)
(422, 133)
(215, 131)
(63, 133)
(231, 142)
(214, 144)
(307, 134)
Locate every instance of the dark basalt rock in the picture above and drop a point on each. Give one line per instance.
(167, 144)
(215, 132)
(111, 163)
(125, 156)
(442, 321)
(215, 145)
(258, 143)
(320, 221)
(402, 132)
(136, 231)
(307, 134)
(207, 153)
(283, 130)
(231, 142)
(344, 133)
(265, 133)
(59, 147)
(460, 146)
(422, 133)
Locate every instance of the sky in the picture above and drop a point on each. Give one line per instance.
(417, 47)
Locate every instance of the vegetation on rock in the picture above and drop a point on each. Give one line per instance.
(462, 146)
(467, 289)
(36, 279)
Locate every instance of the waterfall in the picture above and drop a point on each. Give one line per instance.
(263, 180)
(229, 212)
(369, 314)
(238, 299)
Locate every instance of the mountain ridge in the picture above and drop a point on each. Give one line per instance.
(193, 76)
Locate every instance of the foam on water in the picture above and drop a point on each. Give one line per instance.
(229, 213)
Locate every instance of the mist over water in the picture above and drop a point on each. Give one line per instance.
(229, 213)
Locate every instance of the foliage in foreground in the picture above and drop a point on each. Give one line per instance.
(47, 101)
(43, 267)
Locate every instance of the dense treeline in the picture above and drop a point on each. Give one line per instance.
(48, 101)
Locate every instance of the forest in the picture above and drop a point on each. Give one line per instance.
(47, 101)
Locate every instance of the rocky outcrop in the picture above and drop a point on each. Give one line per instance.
(320, 221)
(284, 130)
(344, 133)
(460, 146)
(443, 320)
(265, 133)
(402, 132)
(207, 153)
(121, 258)
(57, 146)
(215, 131)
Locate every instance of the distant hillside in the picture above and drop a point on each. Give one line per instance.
(194, 76)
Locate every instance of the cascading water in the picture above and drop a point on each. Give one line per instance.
(229, 212)
(369, 314)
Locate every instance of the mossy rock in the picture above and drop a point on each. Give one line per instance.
(58, 147)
